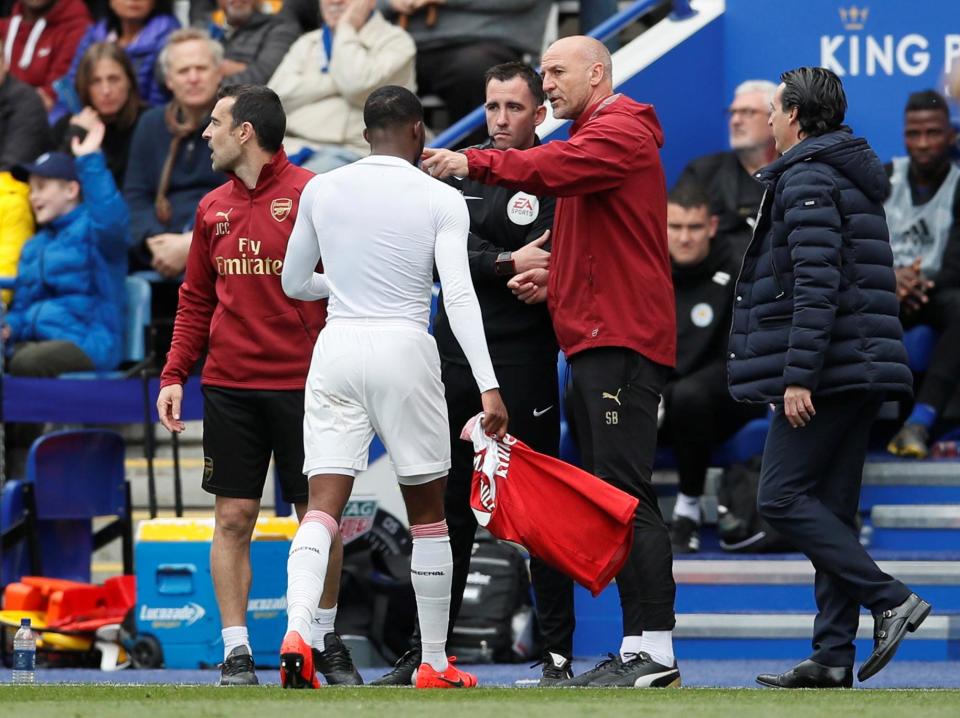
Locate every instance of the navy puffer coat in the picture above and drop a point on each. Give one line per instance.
(815, 303)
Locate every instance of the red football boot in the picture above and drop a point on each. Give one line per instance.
(453, 677)
(296, 663)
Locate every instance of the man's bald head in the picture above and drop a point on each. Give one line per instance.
(587, 49)
(577, 73)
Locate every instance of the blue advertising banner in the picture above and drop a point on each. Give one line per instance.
(882, 49)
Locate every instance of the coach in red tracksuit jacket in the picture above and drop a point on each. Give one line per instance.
(258, 341)
(610, 294)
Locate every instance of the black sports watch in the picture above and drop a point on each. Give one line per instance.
(505, 266)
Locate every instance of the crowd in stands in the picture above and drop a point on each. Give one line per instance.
(152, 85)
(106, 85)
(327, 75)
(103, 104)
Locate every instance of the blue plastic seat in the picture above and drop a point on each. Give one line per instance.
(568, 447)
(746, 444)
(47, 519)
(137, 321)
(920, 343)
(740, 448)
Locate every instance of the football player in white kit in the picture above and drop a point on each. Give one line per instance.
(380, 225)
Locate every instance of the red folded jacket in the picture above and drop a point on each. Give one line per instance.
(570, 519)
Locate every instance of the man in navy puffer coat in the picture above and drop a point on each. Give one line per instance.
(816, 331)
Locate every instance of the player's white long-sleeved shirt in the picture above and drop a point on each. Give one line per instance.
(380, 224)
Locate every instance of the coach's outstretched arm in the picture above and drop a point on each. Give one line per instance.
(298, 279)
(463, 309)
(596, 159)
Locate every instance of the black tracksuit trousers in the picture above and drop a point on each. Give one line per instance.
(612, 399)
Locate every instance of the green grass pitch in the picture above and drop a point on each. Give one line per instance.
(161, 701)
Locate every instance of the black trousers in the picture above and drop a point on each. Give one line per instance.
(532, 397)
(700, 414)
(943, 314)
(612, 400)
(810, 492)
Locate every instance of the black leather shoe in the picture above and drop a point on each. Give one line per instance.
(238, 669)
(889, 628)
(404, 672)
(607, 665)
(556, 668)
(809, 674)
(335, 663)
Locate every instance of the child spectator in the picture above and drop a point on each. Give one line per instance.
(68, 302)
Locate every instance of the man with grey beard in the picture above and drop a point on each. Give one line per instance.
(728, 177)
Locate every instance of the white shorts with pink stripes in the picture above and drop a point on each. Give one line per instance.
(378, 377)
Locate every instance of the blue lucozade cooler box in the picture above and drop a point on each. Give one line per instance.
(175, 598)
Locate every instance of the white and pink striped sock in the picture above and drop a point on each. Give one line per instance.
(431, 572)
(307, 570)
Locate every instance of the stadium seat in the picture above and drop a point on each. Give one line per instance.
(434, 303)
(46, 520)
(138, 319)
(744, 445)
(568, 448)
(134, 343)
(740, 448)
(920, 342)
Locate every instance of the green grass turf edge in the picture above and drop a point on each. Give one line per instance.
(163, 701)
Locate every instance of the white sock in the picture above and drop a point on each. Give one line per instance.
(688, 506)
(431, 572)
(307, 570)
(323, 621)
(659, 646)
(630, 647)
(234, 637)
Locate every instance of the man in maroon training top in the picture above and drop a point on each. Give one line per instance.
(259, 343)
(611, 299)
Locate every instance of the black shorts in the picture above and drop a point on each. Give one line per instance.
(241, 429)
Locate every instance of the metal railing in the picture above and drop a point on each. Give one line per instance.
(609, 27)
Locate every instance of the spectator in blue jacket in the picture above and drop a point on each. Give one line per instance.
(141, 28)
(68, 299)
(816, 331)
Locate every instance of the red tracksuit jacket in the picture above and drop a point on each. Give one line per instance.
(231, 298)
(610, 281)
(572, 520)
(41, 52)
